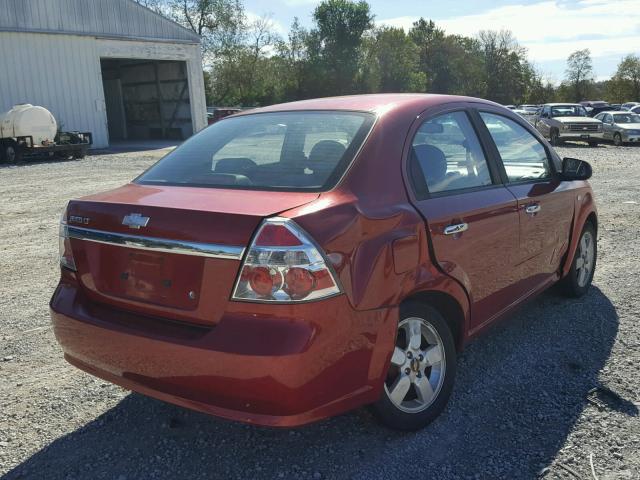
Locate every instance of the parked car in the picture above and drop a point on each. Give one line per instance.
(620, 127)
(344, 261)
(568, 121)
(629, 105)
(615, 106)
(635, 109)
(528, 112)
(595, 107)
(218, 113)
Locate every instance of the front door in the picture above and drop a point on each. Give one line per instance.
(545, 203)
(472, 218)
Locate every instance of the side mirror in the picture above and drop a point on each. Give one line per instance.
(574, 169)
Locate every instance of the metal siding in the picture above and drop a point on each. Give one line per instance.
(109, 18)
(59, 72)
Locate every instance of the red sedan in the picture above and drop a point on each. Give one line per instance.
(297, 261)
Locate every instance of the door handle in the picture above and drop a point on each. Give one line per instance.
(457, 228)
(533, 209)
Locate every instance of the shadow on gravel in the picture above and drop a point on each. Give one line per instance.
(519, 392)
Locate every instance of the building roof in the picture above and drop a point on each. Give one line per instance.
(122, 19)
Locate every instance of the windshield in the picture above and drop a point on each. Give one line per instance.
(306, 150)
(626, 118)
(568, 111)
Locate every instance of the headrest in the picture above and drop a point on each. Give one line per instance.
(432, 161)
(325, 155)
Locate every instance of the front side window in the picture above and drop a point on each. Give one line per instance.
(447, 154)
(305, 150)
(626, 118)
(523, 156)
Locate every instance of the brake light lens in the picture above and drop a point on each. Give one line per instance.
(66, 254)
(283, 264)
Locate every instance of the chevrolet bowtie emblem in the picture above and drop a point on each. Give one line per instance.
(135, 220)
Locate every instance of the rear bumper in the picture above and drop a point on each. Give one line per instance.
(274, 365)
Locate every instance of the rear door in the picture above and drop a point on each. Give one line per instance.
(472, 218)
(545, 203)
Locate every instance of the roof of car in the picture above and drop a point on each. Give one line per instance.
(377, 103)
(563, 104)
(615, 112)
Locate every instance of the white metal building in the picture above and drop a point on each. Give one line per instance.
(111, 67)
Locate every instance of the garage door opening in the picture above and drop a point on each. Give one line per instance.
(146, 99)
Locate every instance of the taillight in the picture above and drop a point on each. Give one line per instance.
(66, 255)
(283, 264)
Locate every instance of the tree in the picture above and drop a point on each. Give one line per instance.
(628, 76)
(507, 70)
(247, 73)
(334, 45)
(392, 62)
(450, 63)
(579, 73)
(219, 23)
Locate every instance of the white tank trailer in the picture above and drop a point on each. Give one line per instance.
(27, 130)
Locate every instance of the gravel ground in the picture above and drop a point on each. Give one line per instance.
(521, 407)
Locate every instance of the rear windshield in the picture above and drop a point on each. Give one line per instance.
(306, 150)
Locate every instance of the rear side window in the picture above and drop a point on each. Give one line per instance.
(446, 155)
(523, 156)
(299, 151)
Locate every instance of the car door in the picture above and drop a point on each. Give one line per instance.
(471, 217)
(607, 125)
(545, 203)
(542, 123)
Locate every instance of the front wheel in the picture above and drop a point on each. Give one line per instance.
(421, 372)
(580, 276)
(593, 144)
(554, 137)
(617, 140)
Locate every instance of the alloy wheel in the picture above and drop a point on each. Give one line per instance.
(418, 366)
(585, 259)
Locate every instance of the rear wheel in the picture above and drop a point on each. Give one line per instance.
(12, 152)
(579, 278)
(617, 140)
(422, 370)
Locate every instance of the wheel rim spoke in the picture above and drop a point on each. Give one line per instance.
(424, 390)
(399, 357)
(433, 355)
(579, 263)
(414, 334)
(399, 389)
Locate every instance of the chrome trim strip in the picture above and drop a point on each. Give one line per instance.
(182, 247)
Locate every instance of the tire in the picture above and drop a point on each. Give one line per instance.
(593, 144)
(420, 378)
(554, 137)
(79, 154)
(12, 152)
(578, 280)
(617, 139)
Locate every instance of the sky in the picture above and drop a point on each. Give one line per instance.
(549, 29)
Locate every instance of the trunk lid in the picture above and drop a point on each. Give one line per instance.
(168, 251)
